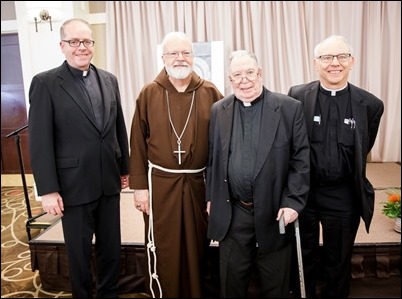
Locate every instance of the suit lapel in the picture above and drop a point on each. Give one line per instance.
(76, 94)
(106, 89)
(358, 111)
(269, 125)
(309, 103)
(225, 118)
(360, 115)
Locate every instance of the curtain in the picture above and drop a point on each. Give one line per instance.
(282, 34)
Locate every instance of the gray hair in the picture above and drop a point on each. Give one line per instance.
(175, 35)
(332, 38)
(242, 53)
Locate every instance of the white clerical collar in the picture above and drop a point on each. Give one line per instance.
(334, 91)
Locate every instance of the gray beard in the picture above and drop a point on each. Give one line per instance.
(181, 73)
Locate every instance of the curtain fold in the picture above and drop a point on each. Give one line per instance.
(282, 34)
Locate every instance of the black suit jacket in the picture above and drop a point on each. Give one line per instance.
(69, 153)
(367, 110)
(282, 171)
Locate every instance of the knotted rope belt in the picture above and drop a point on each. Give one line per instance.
(151, 246)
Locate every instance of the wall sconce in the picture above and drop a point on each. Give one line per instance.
(43, 11)
(44, 16)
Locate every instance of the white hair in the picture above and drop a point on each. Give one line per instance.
(340, 38)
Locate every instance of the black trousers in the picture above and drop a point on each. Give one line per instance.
(238, 253)
(80, 223)
(338, 236)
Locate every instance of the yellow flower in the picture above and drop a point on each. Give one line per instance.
(392, 207)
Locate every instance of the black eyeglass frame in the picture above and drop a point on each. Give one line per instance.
(87, 43)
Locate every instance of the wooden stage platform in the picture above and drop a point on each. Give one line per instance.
(375, 255)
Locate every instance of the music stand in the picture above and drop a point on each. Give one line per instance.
(42, 220)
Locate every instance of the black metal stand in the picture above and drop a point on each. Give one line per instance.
(31, 220)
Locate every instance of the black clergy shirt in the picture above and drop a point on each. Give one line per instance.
(332, 153)
(243, 148)
(89, 83)
(332, 143)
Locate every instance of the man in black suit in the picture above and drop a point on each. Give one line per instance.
(79, 155)
(342, 122)
(258, 171)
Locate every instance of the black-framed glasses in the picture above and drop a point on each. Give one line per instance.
(250, 75)
(175, 54)
(342, 58)
(76, 43)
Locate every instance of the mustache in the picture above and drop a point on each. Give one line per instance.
(181, 64)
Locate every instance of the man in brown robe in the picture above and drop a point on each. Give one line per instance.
(169, 152)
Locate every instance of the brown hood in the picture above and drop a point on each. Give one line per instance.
(163, 80)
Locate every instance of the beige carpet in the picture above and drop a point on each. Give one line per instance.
(384, 175)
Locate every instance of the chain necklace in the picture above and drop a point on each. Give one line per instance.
(179, 150)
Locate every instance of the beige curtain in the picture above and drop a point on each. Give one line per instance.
(281, 33)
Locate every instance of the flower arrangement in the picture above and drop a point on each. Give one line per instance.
(392, 207)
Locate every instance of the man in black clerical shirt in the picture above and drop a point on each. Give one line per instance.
(79, 156)
(258, 171)
(342, 122)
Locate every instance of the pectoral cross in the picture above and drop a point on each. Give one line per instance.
(179, 151)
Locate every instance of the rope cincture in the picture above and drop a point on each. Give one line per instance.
(151, 247)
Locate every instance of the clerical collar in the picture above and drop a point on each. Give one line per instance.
(253, 102)
(79, 73)
(333, 92)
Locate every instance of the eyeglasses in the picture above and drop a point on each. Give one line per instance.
(250, 75)
(76, 43)
(175, 54)
(342, 58)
